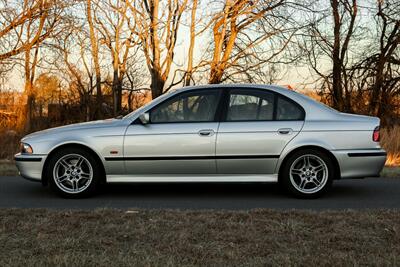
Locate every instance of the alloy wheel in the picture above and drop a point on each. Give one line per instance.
(308, 174)
(73, 173)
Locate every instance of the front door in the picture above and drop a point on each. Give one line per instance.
(180, 138)
(256, 126)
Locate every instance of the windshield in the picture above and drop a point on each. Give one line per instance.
(139, 110)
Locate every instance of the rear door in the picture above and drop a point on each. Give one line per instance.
(255, 127)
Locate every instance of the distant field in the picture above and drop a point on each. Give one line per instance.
(390, 141)
(207, 238)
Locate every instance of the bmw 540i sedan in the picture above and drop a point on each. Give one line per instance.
(219, 133)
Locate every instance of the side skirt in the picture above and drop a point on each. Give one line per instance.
(191, 178)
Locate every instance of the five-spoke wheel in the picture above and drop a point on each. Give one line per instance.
(307, 173)
(73, 172)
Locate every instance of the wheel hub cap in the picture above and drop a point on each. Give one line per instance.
(308, 174)
(73, 173)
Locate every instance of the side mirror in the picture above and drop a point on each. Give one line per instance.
(144, 118)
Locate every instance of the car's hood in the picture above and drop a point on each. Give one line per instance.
(76, 127)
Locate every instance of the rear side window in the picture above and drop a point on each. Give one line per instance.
(246, 105)
(288, 110)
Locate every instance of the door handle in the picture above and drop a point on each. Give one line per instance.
(285, 131)
(207, 132)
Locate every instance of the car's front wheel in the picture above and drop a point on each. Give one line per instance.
(73, 173)
(307, 173)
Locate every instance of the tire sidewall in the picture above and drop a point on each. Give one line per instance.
(285, 174)
(90, 190)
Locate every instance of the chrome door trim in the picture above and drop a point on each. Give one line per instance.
(192, 157)
(156, 178)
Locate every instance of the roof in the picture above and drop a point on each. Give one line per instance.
(314, 109)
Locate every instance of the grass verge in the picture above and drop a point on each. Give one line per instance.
(391, 172)
(7, 168)
(210, 238)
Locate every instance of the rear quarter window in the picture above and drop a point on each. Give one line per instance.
(287, 110)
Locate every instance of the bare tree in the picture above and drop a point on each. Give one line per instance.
(339, 50)
(193, 22)
(387, 57)
(95, 55)
(46, 27)
(376, 74)
(116, 27)
(135, 83)
(24, 25)
(76, 70)
(235, 17)
(157, 28)
(326, 40)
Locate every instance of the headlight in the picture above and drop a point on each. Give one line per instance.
(25, 148)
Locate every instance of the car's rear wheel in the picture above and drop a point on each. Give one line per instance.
(73, 173)
(308, 173)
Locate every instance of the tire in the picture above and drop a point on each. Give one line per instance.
(73, 172)
(307, 173)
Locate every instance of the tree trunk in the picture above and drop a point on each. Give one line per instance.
(382, 109)
(95, 55)
(29, 112)
(216, 74)
(157, 85)
(30, 104)
(337, 97)
(116, 109)
(337, 91)
(130, 106)
(119, 95)
(377, 87)
(119, 89)
(99, 98)
(189, 70)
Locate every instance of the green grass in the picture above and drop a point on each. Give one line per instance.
(7, 168)
(393, 172)
(191, 238)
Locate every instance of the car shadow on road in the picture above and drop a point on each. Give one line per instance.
(242, 190)
(358, 194)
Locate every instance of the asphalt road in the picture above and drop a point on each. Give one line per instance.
(370, 193)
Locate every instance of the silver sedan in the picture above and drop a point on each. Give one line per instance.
(219, 133)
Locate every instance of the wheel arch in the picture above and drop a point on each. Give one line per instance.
(73, 144)
(315, 147)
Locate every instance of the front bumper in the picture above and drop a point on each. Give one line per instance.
(361, 162)
(30, 166)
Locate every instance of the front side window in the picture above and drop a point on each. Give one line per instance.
(246, 105)
(198, 106)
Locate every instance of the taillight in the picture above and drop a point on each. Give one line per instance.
(376, 136)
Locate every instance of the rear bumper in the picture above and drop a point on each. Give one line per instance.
(360, 163)
(30, 166)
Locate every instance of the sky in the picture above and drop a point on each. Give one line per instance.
(296, 76)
